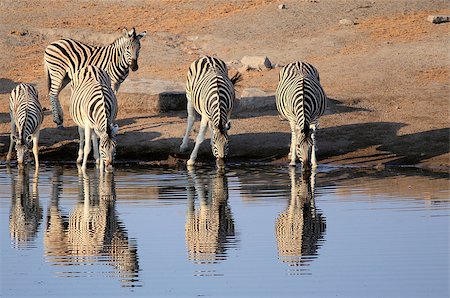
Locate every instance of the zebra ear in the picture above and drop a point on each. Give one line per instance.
(140, 35)
(125, 32)
(14, 137)
(228, 125)
(114, 129)
(132, 33)
(29, 137)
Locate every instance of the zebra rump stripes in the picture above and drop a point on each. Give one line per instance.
(301, 100)
(94, 108)
(66, 56)
(26, 118)
(210, 92)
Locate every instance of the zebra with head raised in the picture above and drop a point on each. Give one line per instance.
(94, 108)
(211, 93)
(64, 57)
(26, 119)
(301, 100)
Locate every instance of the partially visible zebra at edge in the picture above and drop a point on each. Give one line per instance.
(301, 100)
(211, 93)
(64, 57)
(26, 119)
(93, 107)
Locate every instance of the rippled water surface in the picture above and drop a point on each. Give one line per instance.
(248, 232)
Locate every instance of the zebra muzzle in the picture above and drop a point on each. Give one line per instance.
(134, 66)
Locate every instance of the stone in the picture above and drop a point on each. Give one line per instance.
(282, 6)
(437, 19)
(254, 100)
(151, 97)
(256, 62)
(346, 22)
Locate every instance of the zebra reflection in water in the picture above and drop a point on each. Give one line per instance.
(92, 231)
(26, 213)
(210, 225)
(300, 227)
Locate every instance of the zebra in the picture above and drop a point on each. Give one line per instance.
(211, 93)
(64, 57)
(26, 119)
(301, 100)
(94, 108)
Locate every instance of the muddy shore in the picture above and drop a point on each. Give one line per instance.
(386, 74)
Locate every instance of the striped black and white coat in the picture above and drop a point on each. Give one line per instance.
(93, 107)
(301, 100)
(26, 119)
(64, 57)
(211, 93)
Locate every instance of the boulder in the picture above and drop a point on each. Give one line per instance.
(256, 62)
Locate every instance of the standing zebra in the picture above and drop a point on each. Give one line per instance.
(26, 119)
(64, 57)
(210, 92)
(301, 100)
(94, 108)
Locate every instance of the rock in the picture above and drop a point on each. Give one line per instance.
(256, 62)
(282, 6)
(254, 100)
(437, 19)
(346, 22)
(151, 96)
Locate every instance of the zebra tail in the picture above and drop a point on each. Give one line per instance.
(306, 136)
(236, 78)
(47, 74)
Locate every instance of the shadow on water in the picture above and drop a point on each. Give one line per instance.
(209, 226)
(91, 232)
(300, 227)
(26, 213)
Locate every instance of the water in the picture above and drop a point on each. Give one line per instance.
(251, 232)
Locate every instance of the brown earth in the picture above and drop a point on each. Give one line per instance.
(387, 76)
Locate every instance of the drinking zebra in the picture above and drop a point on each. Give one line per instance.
(301, 100)
(94, 108)
(26, 119)
(64, 57)
(210, 92)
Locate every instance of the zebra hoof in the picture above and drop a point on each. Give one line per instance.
(60, 126)
(183, 149)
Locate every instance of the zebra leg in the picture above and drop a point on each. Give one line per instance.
(56, 86)
(190, 123)
(199, 140)
(36, 148)
(95, 146)
(314, 147)
(57, 112)
(292, 150)
(12, 140)
(81, 146)
(87, 146)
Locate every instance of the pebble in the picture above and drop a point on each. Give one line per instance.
(346, 22)
(437, 19)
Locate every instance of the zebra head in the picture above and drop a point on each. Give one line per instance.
(22, 147)
(303, 148)
(220, 144)
(107, 146)
(132, 47)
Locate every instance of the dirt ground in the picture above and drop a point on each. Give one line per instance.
(387, 76)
